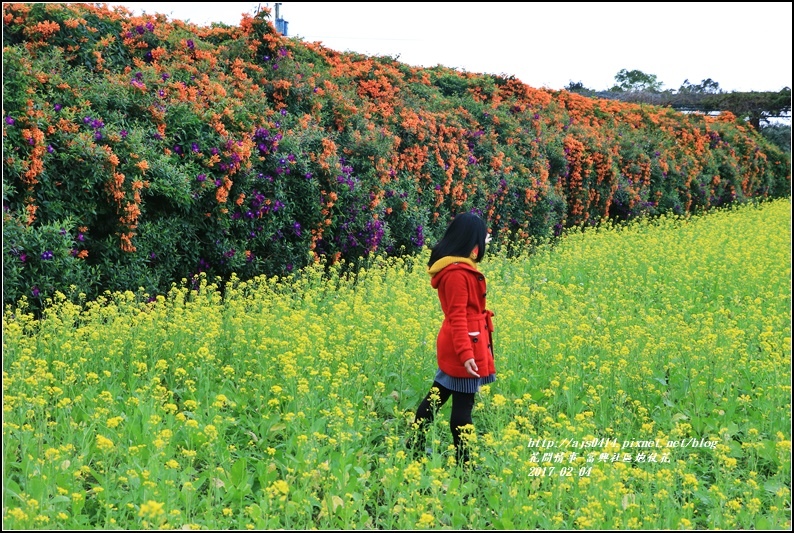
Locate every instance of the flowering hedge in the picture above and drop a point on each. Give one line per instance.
(139, 152)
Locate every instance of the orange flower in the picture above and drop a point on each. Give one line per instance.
(126, 242)
(45, 29)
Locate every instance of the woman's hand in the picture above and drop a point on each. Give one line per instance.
(471, 367)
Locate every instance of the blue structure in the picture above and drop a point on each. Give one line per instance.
(281, 24)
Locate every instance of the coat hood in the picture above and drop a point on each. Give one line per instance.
(448, 264)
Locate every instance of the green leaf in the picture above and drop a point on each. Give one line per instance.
(238, 472)
(678, 416)
(773, 486)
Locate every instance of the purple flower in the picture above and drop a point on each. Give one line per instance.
(140, 30)
(194, 147)
(150, 26)
(23, 257)
(98, 136)
(218, 183)
(190, 44)
(230, 253)
(80, 237)
(10, 121)
(47, 256)
(419, 240)
(31, 141)
(58, 107)
(123, 134)
(50, 149)
(283, 52)
(201, 177)
(165, 76)
(296, 227)
(283, 112)
(35, 291)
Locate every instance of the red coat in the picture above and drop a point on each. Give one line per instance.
(467, 330)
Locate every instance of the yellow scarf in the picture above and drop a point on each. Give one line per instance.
(444, 262)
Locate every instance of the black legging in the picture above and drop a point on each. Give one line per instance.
(462, 405)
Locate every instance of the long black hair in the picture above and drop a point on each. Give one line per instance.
(465, 232)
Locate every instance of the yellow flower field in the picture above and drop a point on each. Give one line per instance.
(643, 383)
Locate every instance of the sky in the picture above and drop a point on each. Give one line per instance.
(743, 46)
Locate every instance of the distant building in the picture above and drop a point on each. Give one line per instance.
(281, 24)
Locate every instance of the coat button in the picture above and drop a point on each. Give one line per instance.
(475, 339)
(480, 278)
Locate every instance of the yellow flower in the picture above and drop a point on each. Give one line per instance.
(278, 489)
(211, 432)
(151, 509)
(425, 521)
(103, 443)
(18, 513)
(734, 504)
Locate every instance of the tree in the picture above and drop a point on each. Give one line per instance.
(578, 87)
(707, 86)
(779, 135)
(636, 81)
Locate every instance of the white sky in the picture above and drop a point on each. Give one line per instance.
(743, 46)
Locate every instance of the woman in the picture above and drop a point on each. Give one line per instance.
(464, 347)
